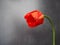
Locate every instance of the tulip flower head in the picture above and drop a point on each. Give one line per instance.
(34, 18)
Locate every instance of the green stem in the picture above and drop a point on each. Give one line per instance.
(53, 28)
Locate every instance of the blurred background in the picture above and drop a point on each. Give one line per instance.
(13, 27)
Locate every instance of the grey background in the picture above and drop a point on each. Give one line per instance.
(13, 27)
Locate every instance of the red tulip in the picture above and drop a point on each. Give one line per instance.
(34, 18)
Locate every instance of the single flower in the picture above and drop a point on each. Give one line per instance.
(34, 18)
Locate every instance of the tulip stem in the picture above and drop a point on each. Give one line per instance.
(53, 29)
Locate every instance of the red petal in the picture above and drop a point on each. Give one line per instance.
(34, 18)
